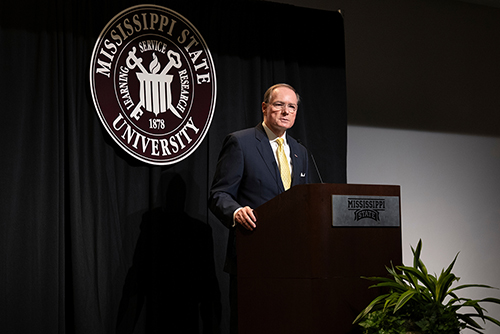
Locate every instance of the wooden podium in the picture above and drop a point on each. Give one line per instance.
(299, 274)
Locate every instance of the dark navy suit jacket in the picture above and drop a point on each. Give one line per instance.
(247, 174)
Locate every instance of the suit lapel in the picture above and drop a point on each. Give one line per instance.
(266, 153)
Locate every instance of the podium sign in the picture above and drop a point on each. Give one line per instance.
(373, 211)
(299, 274)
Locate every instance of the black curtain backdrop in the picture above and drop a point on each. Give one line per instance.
(94, 241)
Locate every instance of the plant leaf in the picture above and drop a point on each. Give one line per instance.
(465, 286)
(370, 306)
(490, 300)
(468, 320)
(405, 297)
(416, 253)
(493, 320)
(452, 264)
(419, 276)
(443, 285)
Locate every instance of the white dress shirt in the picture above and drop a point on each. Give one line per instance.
(274, 145)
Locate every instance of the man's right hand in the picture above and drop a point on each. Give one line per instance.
(246, 218)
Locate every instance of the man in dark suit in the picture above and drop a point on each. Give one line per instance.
(249, 170)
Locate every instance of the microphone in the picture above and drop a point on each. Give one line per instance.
(316, 167)
(313, 160)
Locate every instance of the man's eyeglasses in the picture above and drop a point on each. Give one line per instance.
(291, 107)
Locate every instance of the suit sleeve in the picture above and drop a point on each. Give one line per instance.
(227, 178)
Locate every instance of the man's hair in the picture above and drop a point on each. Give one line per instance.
(269, 92)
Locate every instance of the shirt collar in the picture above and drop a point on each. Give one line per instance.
(271, 135)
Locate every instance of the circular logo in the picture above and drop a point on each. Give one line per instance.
(153, 83)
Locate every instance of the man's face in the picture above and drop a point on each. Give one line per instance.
(280, 112)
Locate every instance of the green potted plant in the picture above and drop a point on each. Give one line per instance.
(419, 302)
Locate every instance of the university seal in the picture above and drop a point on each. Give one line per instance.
(153, 84)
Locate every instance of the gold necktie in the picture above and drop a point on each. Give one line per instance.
(283, 165)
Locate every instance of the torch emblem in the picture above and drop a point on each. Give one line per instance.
(154, 92)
